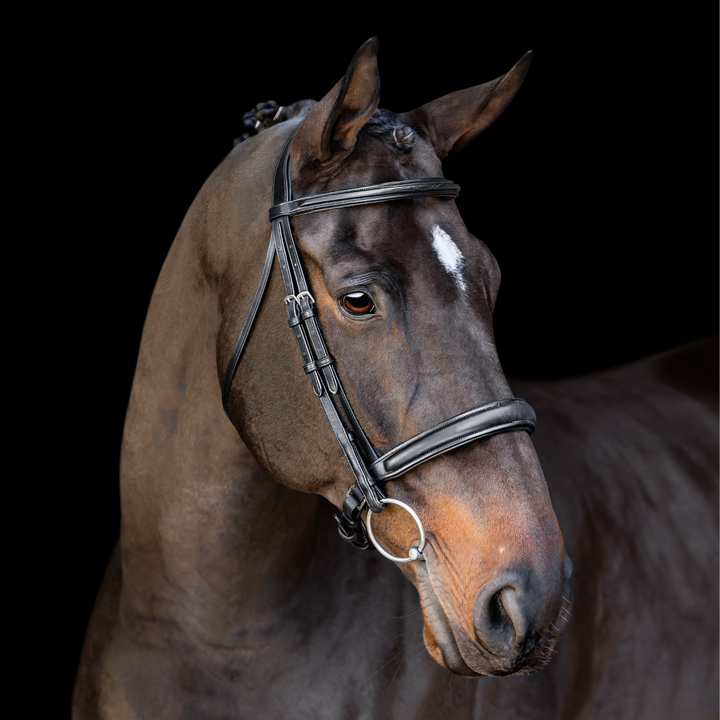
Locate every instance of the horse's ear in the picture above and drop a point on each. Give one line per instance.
(332, 125)
(453, 121)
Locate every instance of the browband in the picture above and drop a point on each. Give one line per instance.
(492, 418)
(366, 195)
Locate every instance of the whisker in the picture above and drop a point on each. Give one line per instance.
(401, 617)
(409, 632)
(386, 664)
(392, 679)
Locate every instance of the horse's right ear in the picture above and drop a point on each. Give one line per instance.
(453, 121)
(332, 125)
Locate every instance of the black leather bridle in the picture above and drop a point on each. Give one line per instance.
(370, 471)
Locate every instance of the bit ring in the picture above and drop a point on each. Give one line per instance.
(415, 553)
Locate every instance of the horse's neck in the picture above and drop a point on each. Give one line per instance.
(205, 533)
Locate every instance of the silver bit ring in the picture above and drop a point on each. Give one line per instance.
(415, 553)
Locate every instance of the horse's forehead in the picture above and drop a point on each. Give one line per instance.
(372, 161)
(392, 231)
(396, 231)
(378, 161)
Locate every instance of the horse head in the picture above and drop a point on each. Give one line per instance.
(404, 296)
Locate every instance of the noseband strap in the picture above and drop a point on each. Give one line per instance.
(370, 472)
(484, 421)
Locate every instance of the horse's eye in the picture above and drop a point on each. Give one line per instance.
(358, 303)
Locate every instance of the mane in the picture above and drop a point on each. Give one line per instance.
(384, 123)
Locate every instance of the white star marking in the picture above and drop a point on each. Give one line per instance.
(449, 255)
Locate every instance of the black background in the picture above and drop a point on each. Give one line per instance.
(596, 191)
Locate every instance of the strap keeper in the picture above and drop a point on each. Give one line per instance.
(353, 505)
(310, 367)
(318, 364)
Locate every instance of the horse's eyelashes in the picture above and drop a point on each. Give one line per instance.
(358, 303)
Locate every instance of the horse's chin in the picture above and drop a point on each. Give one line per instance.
(447, 653)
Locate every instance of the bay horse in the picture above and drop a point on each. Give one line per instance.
(230, 594)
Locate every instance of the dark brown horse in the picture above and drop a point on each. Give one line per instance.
(230, 594)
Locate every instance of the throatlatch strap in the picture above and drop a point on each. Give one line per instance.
(245, 332)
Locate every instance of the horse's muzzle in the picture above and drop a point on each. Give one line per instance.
(515, 622)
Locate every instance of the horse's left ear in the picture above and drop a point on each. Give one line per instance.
(453, 121)
(332, 125)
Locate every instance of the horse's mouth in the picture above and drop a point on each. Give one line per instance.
(463, 653)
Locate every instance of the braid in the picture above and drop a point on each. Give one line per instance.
(390, 127)
(266, 114)
(384, 123)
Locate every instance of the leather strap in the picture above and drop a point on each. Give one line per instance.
(316, 359)
(245, 332)
(486, 420)
(366, 195)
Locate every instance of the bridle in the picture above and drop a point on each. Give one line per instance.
(369, 470)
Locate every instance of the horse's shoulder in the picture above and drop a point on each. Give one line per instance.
(630, 456)
(678, 387)
(691, 369)
(96, 648)
(636, 445)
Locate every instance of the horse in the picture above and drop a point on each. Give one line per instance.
(230, 592)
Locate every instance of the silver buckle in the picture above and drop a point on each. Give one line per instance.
(305, 292)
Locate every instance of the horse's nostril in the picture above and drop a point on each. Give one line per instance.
(507, 610)
(497, 617)
(494, 626)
